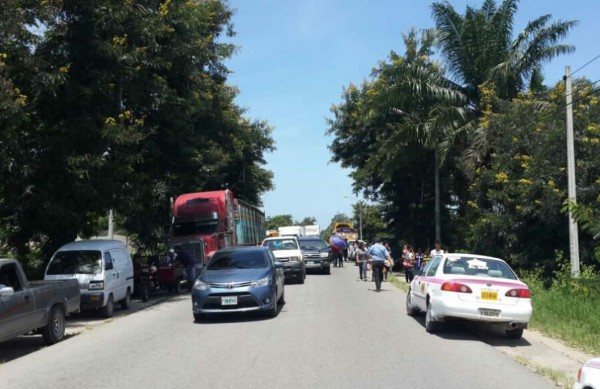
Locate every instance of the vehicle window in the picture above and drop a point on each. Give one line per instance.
(424, 269)
(313, 244)
(76, 262)
(281, 244)
(9, 277)
(182, 229)
(238, 260)
(480, 267)
(434, 266)
(108, 261)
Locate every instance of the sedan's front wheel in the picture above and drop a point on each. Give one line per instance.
(410, 309)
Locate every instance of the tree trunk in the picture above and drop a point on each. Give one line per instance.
(438, 228)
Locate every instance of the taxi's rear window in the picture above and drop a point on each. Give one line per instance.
(480, 267)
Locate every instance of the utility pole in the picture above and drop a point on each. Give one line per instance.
(360, 210)
(111, 234)
(573, 233)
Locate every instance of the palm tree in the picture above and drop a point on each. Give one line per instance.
(479, 47)
(433, 108)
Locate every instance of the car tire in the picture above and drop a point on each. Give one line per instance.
(54, 331)
(328, 270)
(431, 325)
(514, 334)
(177, 287)
(199, 317)
(281, 300)
(301, 278)
(109, 309)
(126, 302)
(410, 309)
(144, 293)
(273, 311)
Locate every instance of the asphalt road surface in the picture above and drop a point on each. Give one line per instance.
(334, 332)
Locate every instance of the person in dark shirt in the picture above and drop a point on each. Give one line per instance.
(186, 260)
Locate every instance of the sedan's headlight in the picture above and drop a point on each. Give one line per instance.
(96, 285)
(199, 285)
(260, 283)
(324, 255)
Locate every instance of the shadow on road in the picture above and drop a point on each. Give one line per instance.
(468, 330)
(238, 317)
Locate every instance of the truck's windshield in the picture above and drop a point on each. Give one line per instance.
(312, 244)
(76, 262)
(195, 228)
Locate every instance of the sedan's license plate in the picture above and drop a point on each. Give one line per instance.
(231, 300)
(489, 313)
(489, 295)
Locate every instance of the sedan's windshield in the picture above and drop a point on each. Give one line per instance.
(238, 260)
(313, 244)
(76, 262)
(480, 267)
(281, 244)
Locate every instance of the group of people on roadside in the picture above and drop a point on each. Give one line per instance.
(378, 258)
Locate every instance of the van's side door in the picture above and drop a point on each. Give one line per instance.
(16, 310)
(110, 276)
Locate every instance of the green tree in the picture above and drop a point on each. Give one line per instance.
(307, 221)
(273, 222)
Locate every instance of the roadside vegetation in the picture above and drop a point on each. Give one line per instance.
(567, 309)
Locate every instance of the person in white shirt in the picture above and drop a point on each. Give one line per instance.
(437, 250)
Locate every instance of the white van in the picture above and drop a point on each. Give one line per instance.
(103, 268)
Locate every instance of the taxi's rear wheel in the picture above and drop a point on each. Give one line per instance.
(410, 309)
(431, 325)
(514, 334)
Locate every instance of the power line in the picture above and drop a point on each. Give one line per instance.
(586, 64)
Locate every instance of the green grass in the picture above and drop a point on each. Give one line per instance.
(560, 378)
(569, 314)
(400, 283)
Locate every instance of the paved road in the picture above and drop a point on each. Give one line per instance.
(334, 332)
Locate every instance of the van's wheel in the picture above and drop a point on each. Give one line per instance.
(126, 302)
(109, 309)
(144, 293)
(54, 331)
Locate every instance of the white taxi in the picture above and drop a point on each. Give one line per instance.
(471, 287)
(589, 375)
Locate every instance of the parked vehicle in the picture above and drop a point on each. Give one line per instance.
(204, 222)
(290, 231)
(316, 253)
(34, 306)
(287, 251)
(313, 230)
(588, 376)
(103, 269)
(471, 287)
(239, 279)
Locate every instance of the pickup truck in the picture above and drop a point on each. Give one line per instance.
(36, 306)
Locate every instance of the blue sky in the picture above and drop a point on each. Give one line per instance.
(295, 56)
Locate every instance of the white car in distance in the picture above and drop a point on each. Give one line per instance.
(470, 287)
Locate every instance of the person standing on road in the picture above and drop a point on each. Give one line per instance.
(188, 262)
(361, 260)
(377, 254)
(419, 260)
(437, 250)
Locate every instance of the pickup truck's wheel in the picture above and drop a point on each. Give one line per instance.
(54, 331)
(327, 270)
(109, 309)
(177, 287)
(126, 302)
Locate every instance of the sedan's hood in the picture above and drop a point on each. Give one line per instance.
(234, 275)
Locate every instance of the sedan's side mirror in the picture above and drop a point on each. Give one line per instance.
(7, 291)
(278, 265)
